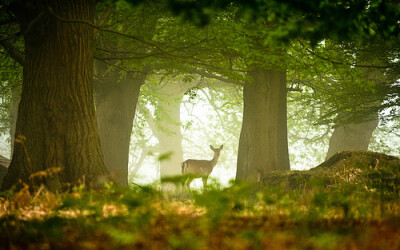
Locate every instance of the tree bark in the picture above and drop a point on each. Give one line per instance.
(263, 145)
(352, 136)
(56, 124)
(13, 111)
(115, 108)
(170, 136)
(167, 127)
(356, 136)
(116, 97)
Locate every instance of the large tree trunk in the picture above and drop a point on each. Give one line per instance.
(352, 136)
(116, 97)
(56, 124)
(115, 108)
(263, 145)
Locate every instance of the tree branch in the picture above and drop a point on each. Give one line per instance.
(342, 63)
(196, 61)
(10, 36)
(106, 30)
(14, 53)
(214, 76)
(8, 21)
(104, 16)
(294, 89)
(149, 119)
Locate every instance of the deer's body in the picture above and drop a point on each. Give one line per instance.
(200, 168)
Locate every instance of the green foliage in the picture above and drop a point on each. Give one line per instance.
(10, 81)
(242, 36)
(310, 19)
(225, 202)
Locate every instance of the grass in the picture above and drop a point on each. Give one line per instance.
(358, 208)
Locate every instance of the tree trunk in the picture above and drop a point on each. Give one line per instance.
(263, 145)
(170, 137)
(115, 108)
(13, 111)
(56, 124)
(356, 136)
(353, 136)
(167, 127)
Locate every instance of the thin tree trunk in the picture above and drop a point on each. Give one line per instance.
(263, 145)
(56, 124)
(170, 137)
(15, 99)
(167, 129)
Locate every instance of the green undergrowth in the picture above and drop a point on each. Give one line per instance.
(349, 202)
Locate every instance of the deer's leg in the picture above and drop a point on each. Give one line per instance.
(188, 183)
(204, 181)
(183, 185)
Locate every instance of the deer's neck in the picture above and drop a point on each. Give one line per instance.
(214, 160)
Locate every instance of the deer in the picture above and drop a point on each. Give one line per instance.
(200, 168)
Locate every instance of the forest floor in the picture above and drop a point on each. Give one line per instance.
(349, 202)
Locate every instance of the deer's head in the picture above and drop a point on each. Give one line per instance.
(216, 150)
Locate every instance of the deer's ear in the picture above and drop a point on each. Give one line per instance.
(221, 147)
(212, 148)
